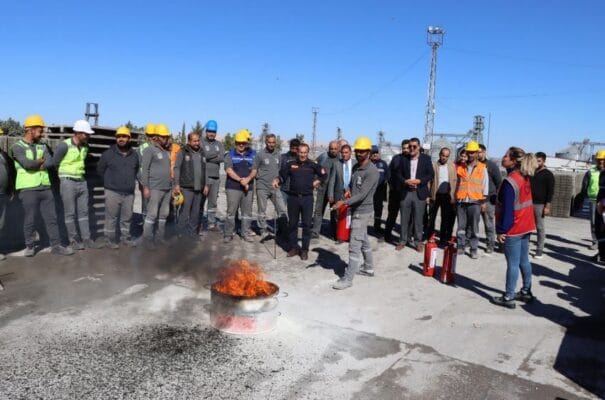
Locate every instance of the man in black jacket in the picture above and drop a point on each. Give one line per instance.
(414, 174)
(393, 205)
(118, 166)
(542, 189)
(191, 181)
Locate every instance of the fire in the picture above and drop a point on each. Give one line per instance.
(243, 278)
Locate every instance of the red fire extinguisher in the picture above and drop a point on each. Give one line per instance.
(343, 225)
(430, 256)
(448, 270)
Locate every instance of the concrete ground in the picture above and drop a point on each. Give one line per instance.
(131, 324)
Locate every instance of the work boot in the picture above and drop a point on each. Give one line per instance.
(489, 249)
(474, 254)
(62, 250)
(74, 244)
(293, 252)
(503, 301)
(91, 244)
(342, 284)
(29, 251)
(314, 235)
(525, 296)
(304, 255)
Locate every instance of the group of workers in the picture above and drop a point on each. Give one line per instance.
(185, 178)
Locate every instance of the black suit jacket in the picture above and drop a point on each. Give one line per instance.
(424, 172)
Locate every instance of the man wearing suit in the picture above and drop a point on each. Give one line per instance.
(341, 176)
(415, 172)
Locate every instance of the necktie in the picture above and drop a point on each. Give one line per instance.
(347, 175)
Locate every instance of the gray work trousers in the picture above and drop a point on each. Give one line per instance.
(262, 195)
(469, 215)
(539, 218)
(189, 215)
(360, 249)
(158, 209)
(238, 199)
(213, 188)
(321, 202)
(412, 204)
(43, 202)
(593, 211)
(75, 207)
(489, 223)
(118, 207)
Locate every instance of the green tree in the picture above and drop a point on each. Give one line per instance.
(183, 135)
(278, 143)
(11, 127)
(301, 137)
(198, 127)
(134, 128)
(229, 141)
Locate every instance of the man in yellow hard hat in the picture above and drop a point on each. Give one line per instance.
(239, 166)
(119, 167)
(472, 190)
(360, 199)
(32, 160)
(214, 153)
(156, 177)
(590, 189)
(70, 159)
(149, 131)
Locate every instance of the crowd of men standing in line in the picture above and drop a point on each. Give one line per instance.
(464, 189)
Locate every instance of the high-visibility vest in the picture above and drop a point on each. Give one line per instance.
(28, 179)
(523, 221)
(593, 184)
(174, 150)
(72, 164)
(470, 186)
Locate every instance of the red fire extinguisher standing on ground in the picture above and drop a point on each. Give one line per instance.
(343, 225)
(448, 270)
(430, 256)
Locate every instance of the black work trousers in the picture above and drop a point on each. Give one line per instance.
(299, 207)
(393, 208)
(448, 216)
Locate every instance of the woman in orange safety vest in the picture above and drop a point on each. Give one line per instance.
(514, 223)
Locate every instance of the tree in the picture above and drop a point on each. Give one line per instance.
(11, 127)
(198, 127)
(278, 143)
(229, 141)
(133, 127)
(183, 135)
(301, 137)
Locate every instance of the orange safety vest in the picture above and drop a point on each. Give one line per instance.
(523, 220)
(470, 186)
(174, 150)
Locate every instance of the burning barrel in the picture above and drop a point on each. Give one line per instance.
(242, 302)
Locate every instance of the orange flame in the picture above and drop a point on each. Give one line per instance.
(243, 278)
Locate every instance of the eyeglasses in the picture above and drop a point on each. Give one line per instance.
(413, 146)
(241, 143)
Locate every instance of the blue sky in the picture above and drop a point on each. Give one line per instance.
(535, 66)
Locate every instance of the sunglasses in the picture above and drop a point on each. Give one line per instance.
(241, 143)
(413, 146)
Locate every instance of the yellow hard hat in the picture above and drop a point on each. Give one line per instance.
(123, 130)
(600, 155)
(242, 136)
(362, 143)
(34, 120)
(162, 130)
(472, 146)
(150, 129)
(178, 199)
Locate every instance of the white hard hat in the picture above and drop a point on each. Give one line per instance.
(82, 125)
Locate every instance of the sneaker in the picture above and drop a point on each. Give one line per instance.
(304, 255)
(503, 301)
(91, 244)
(526, 297)
(342, 283)
(538, 254)
(365, 272)
(474, 254)
(227, 239)
(76, 245)
(62, 250)
(29, 251)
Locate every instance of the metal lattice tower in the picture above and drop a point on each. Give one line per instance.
(92, 111)
(338, 133)
(314, 110)
(264, 132)
(434, 38)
